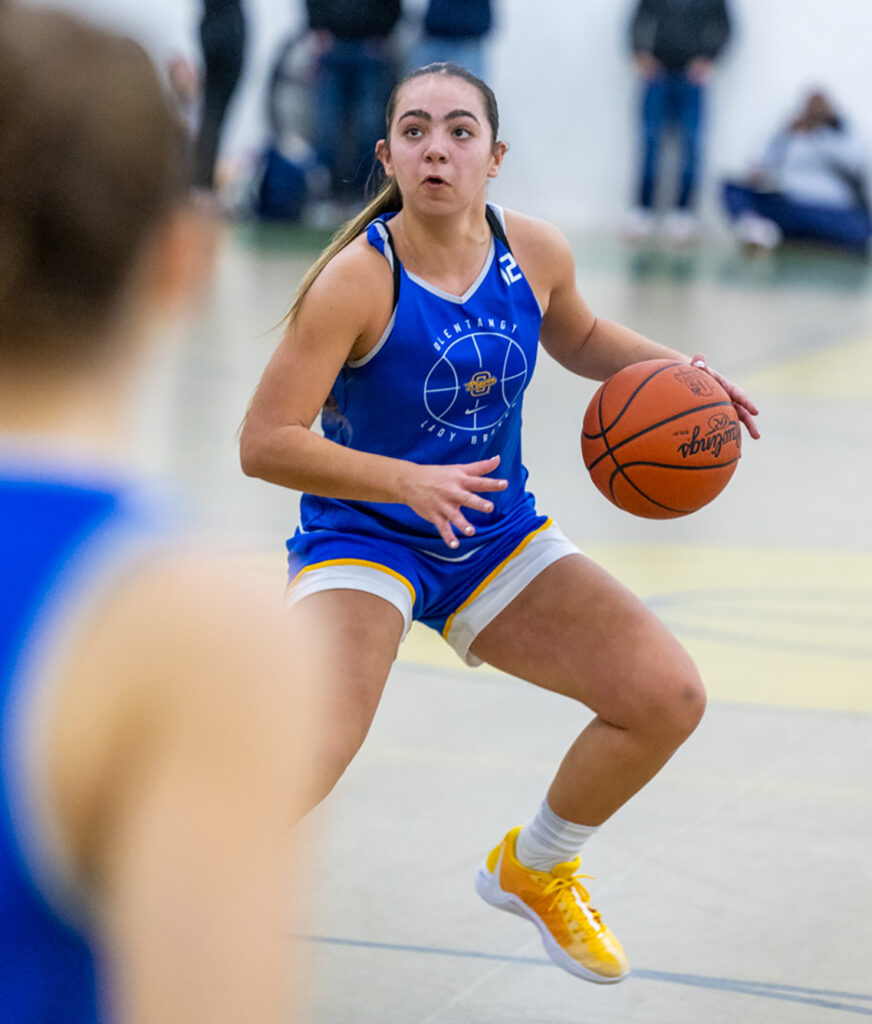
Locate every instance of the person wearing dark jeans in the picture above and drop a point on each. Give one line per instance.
(675, 44)
(671, 98)
(222, 37)
(353, 74)
(454, 31)
(848, 228)
(354, 79)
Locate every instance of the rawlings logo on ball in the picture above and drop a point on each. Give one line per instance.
(722, 431)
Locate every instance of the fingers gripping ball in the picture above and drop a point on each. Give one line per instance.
(661, 439)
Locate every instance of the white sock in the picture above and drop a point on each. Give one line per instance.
(548, 840)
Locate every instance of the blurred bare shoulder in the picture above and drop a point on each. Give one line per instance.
(194, 653)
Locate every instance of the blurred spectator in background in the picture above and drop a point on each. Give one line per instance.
(809, 185)
(454, 31)
(675, 44)
(356, 72)
(222, 37)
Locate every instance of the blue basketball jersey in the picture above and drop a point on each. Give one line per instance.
(443, 385)
(58, 537)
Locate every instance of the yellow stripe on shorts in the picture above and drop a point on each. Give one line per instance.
(356, 561)
(491, 575)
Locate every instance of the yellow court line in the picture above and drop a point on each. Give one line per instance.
(771, 626)
(843, 370)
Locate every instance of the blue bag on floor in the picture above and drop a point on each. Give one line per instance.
(281, 191)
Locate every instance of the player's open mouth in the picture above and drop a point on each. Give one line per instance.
(435, 180)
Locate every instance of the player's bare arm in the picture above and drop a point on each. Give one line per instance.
(585, 344)
(571, 333)
(341, 317)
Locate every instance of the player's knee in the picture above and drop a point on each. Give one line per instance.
(681, 704)
(692, 704)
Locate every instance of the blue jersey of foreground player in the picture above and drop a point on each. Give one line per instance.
(57, 538)
(443, 385)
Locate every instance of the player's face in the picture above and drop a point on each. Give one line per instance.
(441, 149)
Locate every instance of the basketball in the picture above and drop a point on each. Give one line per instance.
(661, 439)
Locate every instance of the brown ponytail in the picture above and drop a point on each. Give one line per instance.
(387, 200)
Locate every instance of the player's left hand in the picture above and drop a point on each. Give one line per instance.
(745, 408)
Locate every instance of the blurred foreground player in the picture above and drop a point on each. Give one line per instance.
(150, 746)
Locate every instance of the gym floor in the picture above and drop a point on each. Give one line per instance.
(739, 880)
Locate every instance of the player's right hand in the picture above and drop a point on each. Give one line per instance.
(438, 493)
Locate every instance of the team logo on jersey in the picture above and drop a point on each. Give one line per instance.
(480, 383)
(473, 384)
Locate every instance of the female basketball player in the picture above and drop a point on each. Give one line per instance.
(143, 736)
(417, 332)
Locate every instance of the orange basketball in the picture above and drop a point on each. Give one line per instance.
(661, 439)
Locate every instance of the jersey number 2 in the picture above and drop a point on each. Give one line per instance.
(509, 269)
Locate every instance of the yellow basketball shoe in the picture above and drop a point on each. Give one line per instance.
(558, 904)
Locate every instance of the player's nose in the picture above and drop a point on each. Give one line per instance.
(436, 149)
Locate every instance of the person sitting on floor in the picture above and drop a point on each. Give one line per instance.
(810, 185)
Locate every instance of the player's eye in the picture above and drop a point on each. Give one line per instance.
(413, 131)
(462, 133)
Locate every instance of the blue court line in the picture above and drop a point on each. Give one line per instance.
(829, 999)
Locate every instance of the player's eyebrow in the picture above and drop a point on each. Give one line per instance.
(452, 115)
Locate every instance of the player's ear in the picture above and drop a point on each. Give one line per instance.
(383, 155)
(499, 151)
